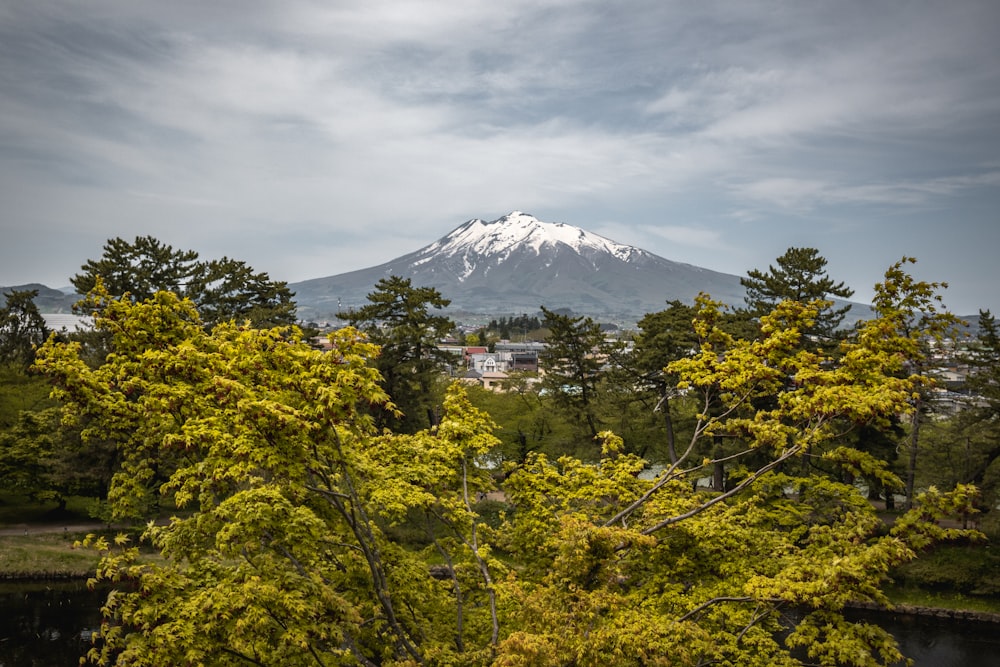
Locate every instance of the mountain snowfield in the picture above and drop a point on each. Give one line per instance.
(478, 240)
(517, 263)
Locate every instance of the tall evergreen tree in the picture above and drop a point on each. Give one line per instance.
(399, 320)
(574, 353)
(222, 290)
(665, 336)
(976, 431)
(22, 328)
(141, 269)
(228, 289)
(984, 362)
(799, 276)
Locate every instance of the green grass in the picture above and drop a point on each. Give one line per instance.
(38, 546)
(45, 556)
(920, 597)
(963, 575)
(51, 555)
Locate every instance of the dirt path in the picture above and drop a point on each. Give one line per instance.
(49, 529)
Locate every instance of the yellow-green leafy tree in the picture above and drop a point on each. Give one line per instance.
(283, 555)
(279, 555)
(918, 320)
(619, 570)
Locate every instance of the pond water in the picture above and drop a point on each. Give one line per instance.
(935, 642)
(48, 624)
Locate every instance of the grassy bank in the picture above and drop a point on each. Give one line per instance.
(968, 570)
(914, 596)
(36, 538)
(45, 556)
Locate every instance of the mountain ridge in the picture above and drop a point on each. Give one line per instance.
(518, 263)
(514, 264)
(49, 300)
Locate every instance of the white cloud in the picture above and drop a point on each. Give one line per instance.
(697, 237)
(336, 122)
(807, 194)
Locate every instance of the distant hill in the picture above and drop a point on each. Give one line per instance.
(517, 263)
(48, 300)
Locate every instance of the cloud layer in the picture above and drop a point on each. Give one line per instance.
(311, 138)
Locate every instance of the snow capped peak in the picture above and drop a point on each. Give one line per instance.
(518, 231)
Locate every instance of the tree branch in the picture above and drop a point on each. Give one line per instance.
(709, 603)
(483, 567)
(728, 494)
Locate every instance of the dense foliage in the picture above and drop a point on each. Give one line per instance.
(699, 499)
(22, 328)
(963, 445)
(509, 327)
(575, 352)
(915, 318)
(800, 275)
(398, 317)
(222, 289)
(288, 549)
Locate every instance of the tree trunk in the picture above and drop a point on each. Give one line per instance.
(668, 422)
(718, 468)
(590, 422)
(911, 466)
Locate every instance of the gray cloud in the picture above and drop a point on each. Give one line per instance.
(311, 138)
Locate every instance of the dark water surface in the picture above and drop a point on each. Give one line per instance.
(935, 642)
(48, 624)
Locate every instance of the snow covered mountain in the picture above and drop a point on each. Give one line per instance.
(480, 244)
(517, 263)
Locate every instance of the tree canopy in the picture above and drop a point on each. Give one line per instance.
(984, 363)
(800, 275)
(44, 461)
(964, 445)
(399, 319)
(223, 289)
(916, 319)
(664, 337)
(22, 328)
(575, 350)
(289, 550)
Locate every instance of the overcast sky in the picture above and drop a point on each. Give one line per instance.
(310, 138)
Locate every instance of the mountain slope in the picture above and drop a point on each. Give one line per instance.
(518, 263)
(48, 300)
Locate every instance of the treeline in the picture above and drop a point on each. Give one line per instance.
(520, 324)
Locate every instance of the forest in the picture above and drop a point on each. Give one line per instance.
(710, 489)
